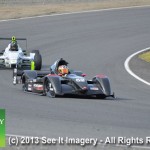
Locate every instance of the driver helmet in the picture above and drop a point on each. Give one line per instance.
(14, 46)
(63, 70)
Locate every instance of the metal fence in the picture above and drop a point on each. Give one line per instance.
(33, 2)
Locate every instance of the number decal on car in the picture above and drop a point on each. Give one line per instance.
(80, 80)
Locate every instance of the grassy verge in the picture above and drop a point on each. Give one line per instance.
(16, 11)
(145, 56)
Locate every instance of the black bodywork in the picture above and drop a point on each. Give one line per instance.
(51, 84)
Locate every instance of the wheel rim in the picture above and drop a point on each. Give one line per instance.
(49, 90)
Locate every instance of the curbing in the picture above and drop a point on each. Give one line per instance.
(126, 65)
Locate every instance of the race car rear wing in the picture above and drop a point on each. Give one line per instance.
(13, 39)
(10, 39)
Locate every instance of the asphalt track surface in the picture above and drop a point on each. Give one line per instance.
(97, 42)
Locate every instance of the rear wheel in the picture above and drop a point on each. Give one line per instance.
(49, 90)
(38, 61)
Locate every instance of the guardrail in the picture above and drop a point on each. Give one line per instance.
(30, 2)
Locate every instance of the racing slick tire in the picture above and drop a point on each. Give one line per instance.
(49, 89)
(38, 61)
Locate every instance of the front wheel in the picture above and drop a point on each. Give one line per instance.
(38, 61)
(49, 90)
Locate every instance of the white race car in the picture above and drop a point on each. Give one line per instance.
(15, 57)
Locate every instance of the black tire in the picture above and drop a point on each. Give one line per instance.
(38, 61)
(48, 89)
(35, 51)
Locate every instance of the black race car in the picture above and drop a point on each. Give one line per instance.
(52, 84)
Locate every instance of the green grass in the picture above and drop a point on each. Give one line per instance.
(145, 56)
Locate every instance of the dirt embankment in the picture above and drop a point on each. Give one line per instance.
(18, 11)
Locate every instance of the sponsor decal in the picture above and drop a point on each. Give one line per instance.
(84, 88)
(94, 88)
(2, 128)
(29, 87)
(38, 87)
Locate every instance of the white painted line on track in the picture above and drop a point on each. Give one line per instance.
(126, 65)
(79, 12)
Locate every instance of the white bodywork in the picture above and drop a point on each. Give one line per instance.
(15, 58)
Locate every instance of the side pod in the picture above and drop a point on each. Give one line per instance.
(104, 83)
(56, 83)
(28, 74)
